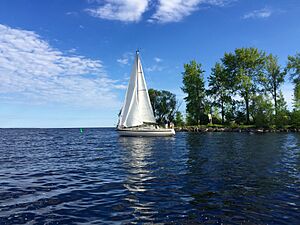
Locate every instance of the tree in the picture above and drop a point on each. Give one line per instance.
(219, 88)
(295, 118)
(235, 112)
(297, 97)
(262, 111)
(293, 67)
(153, 99)
(193, 86)
(272, 78)
(216, 119)
(163, 104)
(243, 67)
(179, 121)
(282, 114)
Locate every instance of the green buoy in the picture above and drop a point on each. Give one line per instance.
(81, 130)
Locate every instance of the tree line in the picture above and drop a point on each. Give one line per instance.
(244, 88)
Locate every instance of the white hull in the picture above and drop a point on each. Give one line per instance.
(146, 132)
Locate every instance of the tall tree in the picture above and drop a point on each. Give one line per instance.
(163, 104)
(179, 121)
(262, 111)
(243, 67)
(219, 88)
(193, 86)
(272, 78)
(153, 99)
(282, 114)
(293, 67)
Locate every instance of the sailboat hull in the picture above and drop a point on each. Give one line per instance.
(140, 132)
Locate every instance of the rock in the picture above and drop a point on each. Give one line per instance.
(228, 129)
(237, 130)
(210, 129)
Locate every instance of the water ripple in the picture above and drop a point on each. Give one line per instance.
(62, 176)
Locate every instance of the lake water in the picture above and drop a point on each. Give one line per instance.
(62, 176)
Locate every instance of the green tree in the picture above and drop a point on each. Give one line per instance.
(193, 86)
(153, 99)
(272, 78)
(243, 67)
(163, 104)
(179, 121)
(219, 88)
(295, 118)
(216, 119)
(282, 114)
(293, 67)
(262, 111)
(235, 112)
(297, 96)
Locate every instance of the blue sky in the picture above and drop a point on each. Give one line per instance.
(66, 63)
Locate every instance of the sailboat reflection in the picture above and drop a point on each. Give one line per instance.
(140, 177)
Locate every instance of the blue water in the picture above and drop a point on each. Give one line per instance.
(62, 176)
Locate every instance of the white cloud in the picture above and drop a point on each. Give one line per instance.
(154, 68)
(72, 13)
(132, 10)
(33, 71)
(157, 59)
(126, 57)
(72, 50)
(176, 10)
(122, 10)
(257, 14)
(123, 61)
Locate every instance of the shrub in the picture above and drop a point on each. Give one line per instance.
(295, 118)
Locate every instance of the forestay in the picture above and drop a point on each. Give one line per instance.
(137, 108)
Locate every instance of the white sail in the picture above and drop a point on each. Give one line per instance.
(145, 107)
(137, 108)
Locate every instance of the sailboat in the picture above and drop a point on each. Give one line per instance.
(137, 117)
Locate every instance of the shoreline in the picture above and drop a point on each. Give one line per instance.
(236, 130)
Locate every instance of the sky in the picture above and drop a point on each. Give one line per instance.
(67, 63)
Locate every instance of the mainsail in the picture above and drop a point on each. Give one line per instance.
(137, 108)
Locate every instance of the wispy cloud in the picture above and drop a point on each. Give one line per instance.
(122, 10)
(126, 57)
(259, 14)
(157, 67)
(72, 50)
(157, 59)
(176, 10)
(154, 68)
(72, 13)
(123, 61)
(33, 71)
(165, 10)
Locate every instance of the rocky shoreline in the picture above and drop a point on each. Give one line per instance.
(238, 130)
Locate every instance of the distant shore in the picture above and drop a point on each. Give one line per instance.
(249, 129)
